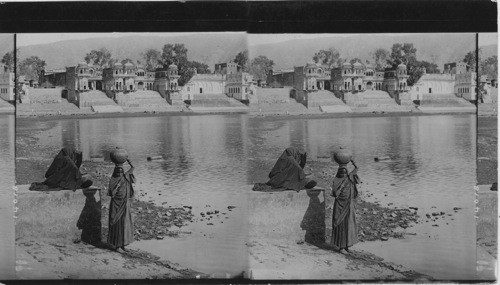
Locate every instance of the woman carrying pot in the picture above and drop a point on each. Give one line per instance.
(121, 232)
(344, 189)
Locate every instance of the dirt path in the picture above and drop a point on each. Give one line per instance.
(281, 259)
(53, 259)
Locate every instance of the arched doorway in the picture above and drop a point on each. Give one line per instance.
(369, 85)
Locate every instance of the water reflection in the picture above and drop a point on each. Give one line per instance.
(209, 159)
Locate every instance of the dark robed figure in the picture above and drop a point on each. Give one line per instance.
(120, 217)
(288, 172)
(64, 172)
(344, 189)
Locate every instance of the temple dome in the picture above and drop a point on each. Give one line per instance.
(358, 64)
(346, 64)
(401, 66)
(311, 65)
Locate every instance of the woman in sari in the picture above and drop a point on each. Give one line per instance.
(64, 172)
(344, 189)
(288, 172)
(120, 189)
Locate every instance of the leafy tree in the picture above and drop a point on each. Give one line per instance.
(99, 57)
(32, 67)
(489, 67)
(417, 71)
(201, 68)
(403, 53)
(470, 59)
(174, 54)
(380, 57)
(152, 59)
(8, 59)
(242, 59)
(329, 57)
(260, 67)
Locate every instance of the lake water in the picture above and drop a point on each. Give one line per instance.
(207, 159)
(7, 147)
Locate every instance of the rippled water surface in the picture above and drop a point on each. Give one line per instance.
(208, 159)
(7, 259)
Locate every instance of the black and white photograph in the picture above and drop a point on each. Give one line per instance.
(257, 156)
(7, 155)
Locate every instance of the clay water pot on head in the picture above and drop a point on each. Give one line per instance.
(342, 156)
(118, 156)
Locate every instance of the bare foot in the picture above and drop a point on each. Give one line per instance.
(343, 251)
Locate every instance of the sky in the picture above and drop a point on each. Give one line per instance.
(253, 39)
(486, 39)
(35, 39)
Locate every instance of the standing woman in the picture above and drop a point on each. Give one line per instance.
(344, 189)
(120, 217)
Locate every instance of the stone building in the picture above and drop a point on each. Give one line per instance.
(166, 83)
(311, 77)
(395, 81)
(356, 77)
(433, 84)
(204, 84)
(53, 78)
(77, 77)
(227, 68)
(144, 80)
(7, 83)
(465, 80)
(280, 78)
(239, 86)
(119, 77)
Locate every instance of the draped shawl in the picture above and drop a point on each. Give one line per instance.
(120, 189)
(64, 172)
(288, 171)
(344, 189)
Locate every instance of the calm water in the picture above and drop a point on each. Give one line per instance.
(7, 258)
(209, 158)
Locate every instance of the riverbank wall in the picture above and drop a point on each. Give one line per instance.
(290, 215)
(55, 214)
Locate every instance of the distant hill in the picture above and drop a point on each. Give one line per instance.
(209, 48)
(443, 48)
(488, 51)
(6, 44)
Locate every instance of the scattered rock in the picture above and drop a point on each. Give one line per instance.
(210, 224)
(456, 208)
(159, 237)
(384, 238)
(231, 207)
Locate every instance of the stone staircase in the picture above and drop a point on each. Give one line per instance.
(432, 103)
(43, 95)
(145, 101)
(326, 102)
(50, 109)
(216, 103)
(375, 101)
(272, 101)
(94, 98)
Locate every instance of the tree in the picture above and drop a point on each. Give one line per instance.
(242, 59)
(8, 59)
(489, 67)
(260, 67)
(329, 57)
(403, 53)
(201, 68)
(470, 59)
(174, 54)
(380, 57)
(417, 71)
(99, 57)
(152, 59)
(32, 67)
